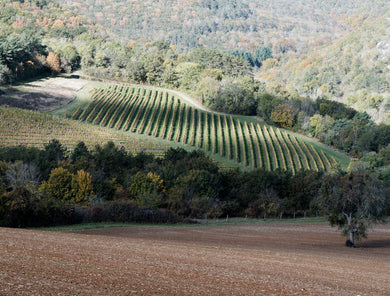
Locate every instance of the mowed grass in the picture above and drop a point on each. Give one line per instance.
(83, 98)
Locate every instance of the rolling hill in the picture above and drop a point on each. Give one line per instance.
(161, 114)
(228, 24)
(353, 70)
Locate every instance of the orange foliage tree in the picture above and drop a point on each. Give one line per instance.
(53, 62)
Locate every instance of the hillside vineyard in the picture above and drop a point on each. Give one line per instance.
(161, 114)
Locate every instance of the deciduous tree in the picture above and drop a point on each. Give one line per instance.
(82, 184)
(147, 190)
(353, 202)
(59, 185)
(53, 62)
(283, 115)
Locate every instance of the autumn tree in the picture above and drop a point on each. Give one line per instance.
(353, 202)
(53, 62)
(283, 115)
(82, 185)
(59, 185)
(147, 190)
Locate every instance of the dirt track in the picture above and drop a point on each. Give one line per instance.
(263, 259)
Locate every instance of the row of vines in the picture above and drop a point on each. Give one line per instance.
(30, 128)
(160, 114)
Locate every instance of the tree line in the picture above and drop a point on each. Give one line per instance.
(41, 187)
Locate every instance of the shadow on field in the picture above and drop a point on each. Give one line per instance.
(374, 244)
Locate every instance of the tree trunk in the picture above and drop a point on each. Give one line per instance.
(351, 241)
(352, 235)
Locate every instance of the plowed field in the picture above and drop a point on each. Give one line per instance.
(247, 259)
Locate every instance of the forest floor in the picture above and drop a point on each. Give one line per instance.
(243, 259)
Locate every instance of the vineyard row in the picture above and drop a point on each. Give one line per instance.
(160, 114)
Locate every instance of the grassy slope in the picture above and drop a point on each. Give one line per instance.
(84, 96)
(32, 128)
(82, 99)
(36, 129)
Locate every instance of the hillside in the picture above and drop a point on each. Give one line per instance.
(353, 70)
(45, 38)
(31, 128)
(229, 24)
(165, 115)
(152, 119)
(333, 49)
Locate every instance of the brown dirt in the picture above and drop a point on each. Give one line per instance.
(43, 95)
(256, 259)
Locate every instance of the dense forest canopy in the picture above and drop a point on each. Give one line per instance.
(229, 24)
(332, 49)
(353, 69)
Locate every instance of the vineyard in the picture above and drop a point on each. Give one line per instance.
(30, 128)
(162, 115)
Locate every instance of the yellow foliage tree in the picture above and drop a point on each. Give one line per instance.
(283, 115)
(82, 184)
(53, 62)
(59, 185)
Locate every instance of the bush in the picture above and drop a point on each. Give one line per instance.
(25, 210)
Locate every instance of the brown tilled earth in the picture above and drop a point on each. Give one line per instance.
(250, 259)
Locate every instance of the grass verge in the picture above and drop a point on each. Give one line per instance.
(201, 223)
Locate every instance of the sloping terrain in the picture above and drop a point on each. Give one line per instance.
(162, 114)
(257, 259)
(31, 128)
(229, 24)
(353, 70)
(43, 94)
(152, 119)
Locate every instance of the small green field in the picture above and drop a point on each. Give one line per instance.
(163, 115)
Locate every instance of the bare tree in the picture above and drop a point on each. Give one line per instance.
(20, 175)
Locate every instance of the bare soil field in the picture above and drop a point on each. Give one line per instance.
(44, 94)
(245, 259)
